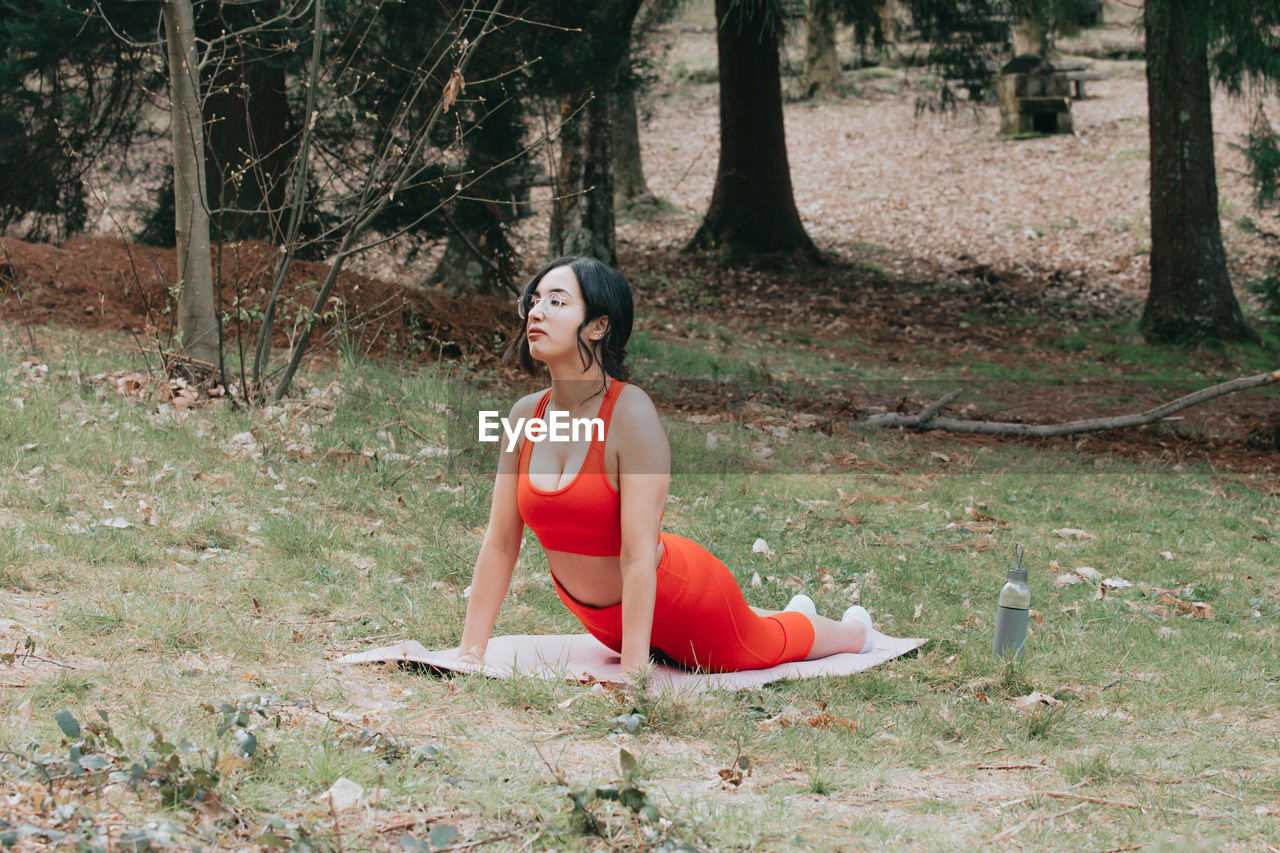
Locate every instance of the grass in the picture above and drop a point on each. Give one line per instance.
(344, 534)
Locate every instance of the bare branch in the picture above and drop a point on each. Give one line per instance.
(377, 202)
(298, 202)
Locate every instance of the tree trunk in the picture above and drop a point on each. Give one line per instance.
(752, 208)
(582, 221)
(478, 257)
(248, 156)
(890, 13)
(628, 167)
(1190, 296)
(477, 260)
(197, 320)
(821, 64)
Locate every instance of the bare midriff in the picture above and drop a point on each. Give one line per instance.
(594, 581)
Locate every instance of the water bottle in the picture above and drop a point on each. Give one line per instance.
(1011, 615)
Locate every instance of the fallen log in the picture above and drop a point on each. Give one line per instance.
(928, 417)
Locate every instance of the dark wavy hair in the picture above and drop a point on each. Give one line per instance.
(606, 294)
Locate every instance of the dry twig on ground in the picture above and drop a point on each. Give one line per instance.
(928, 418)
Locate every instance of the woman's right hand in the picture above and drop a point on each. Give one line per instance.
(473, 656)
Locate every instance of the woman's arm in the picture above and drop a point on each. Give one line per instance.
(644, 474)
(498, 552)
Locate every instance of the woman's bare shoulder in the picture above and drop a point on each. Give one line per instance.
(640, 436)
(638, 424)
(635, 405)
(527, 405)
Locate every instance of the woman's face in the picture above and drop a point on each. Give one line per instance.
(556, 314)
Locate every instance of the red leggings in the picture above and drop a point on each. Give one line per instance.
(700, 619)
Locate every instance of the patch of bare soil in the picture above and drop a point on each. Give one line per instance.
(24, 628)
(104, 283)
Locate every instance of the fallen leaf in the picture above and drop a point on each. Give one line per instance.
(731, 775)
(229, 763)
(1033, 700)
(979, 516)
(788, 716)
(761, 547)
(1074, 533)
(242, 444)
(147, 511)
(568, 703)
(211, 809)
(1089, 573)
(1167, 596)
(1116, 583)
(1067, 580)
(342, 795)
(826, 721)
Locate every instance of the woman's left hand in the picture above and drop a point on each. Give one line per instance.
(636, 679)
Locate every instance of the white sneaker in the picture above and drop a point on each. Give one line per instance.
(802, 604)
(857, 613)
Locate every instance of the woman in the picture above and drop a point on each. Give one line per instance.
(597, 505)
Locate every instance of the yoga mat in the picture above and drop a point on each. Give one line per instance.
(581, 657)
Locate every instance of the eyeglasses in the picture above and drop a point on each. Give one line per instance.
(551, 304)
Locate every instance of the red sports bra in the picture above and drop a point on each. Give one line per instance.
(583, 517)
